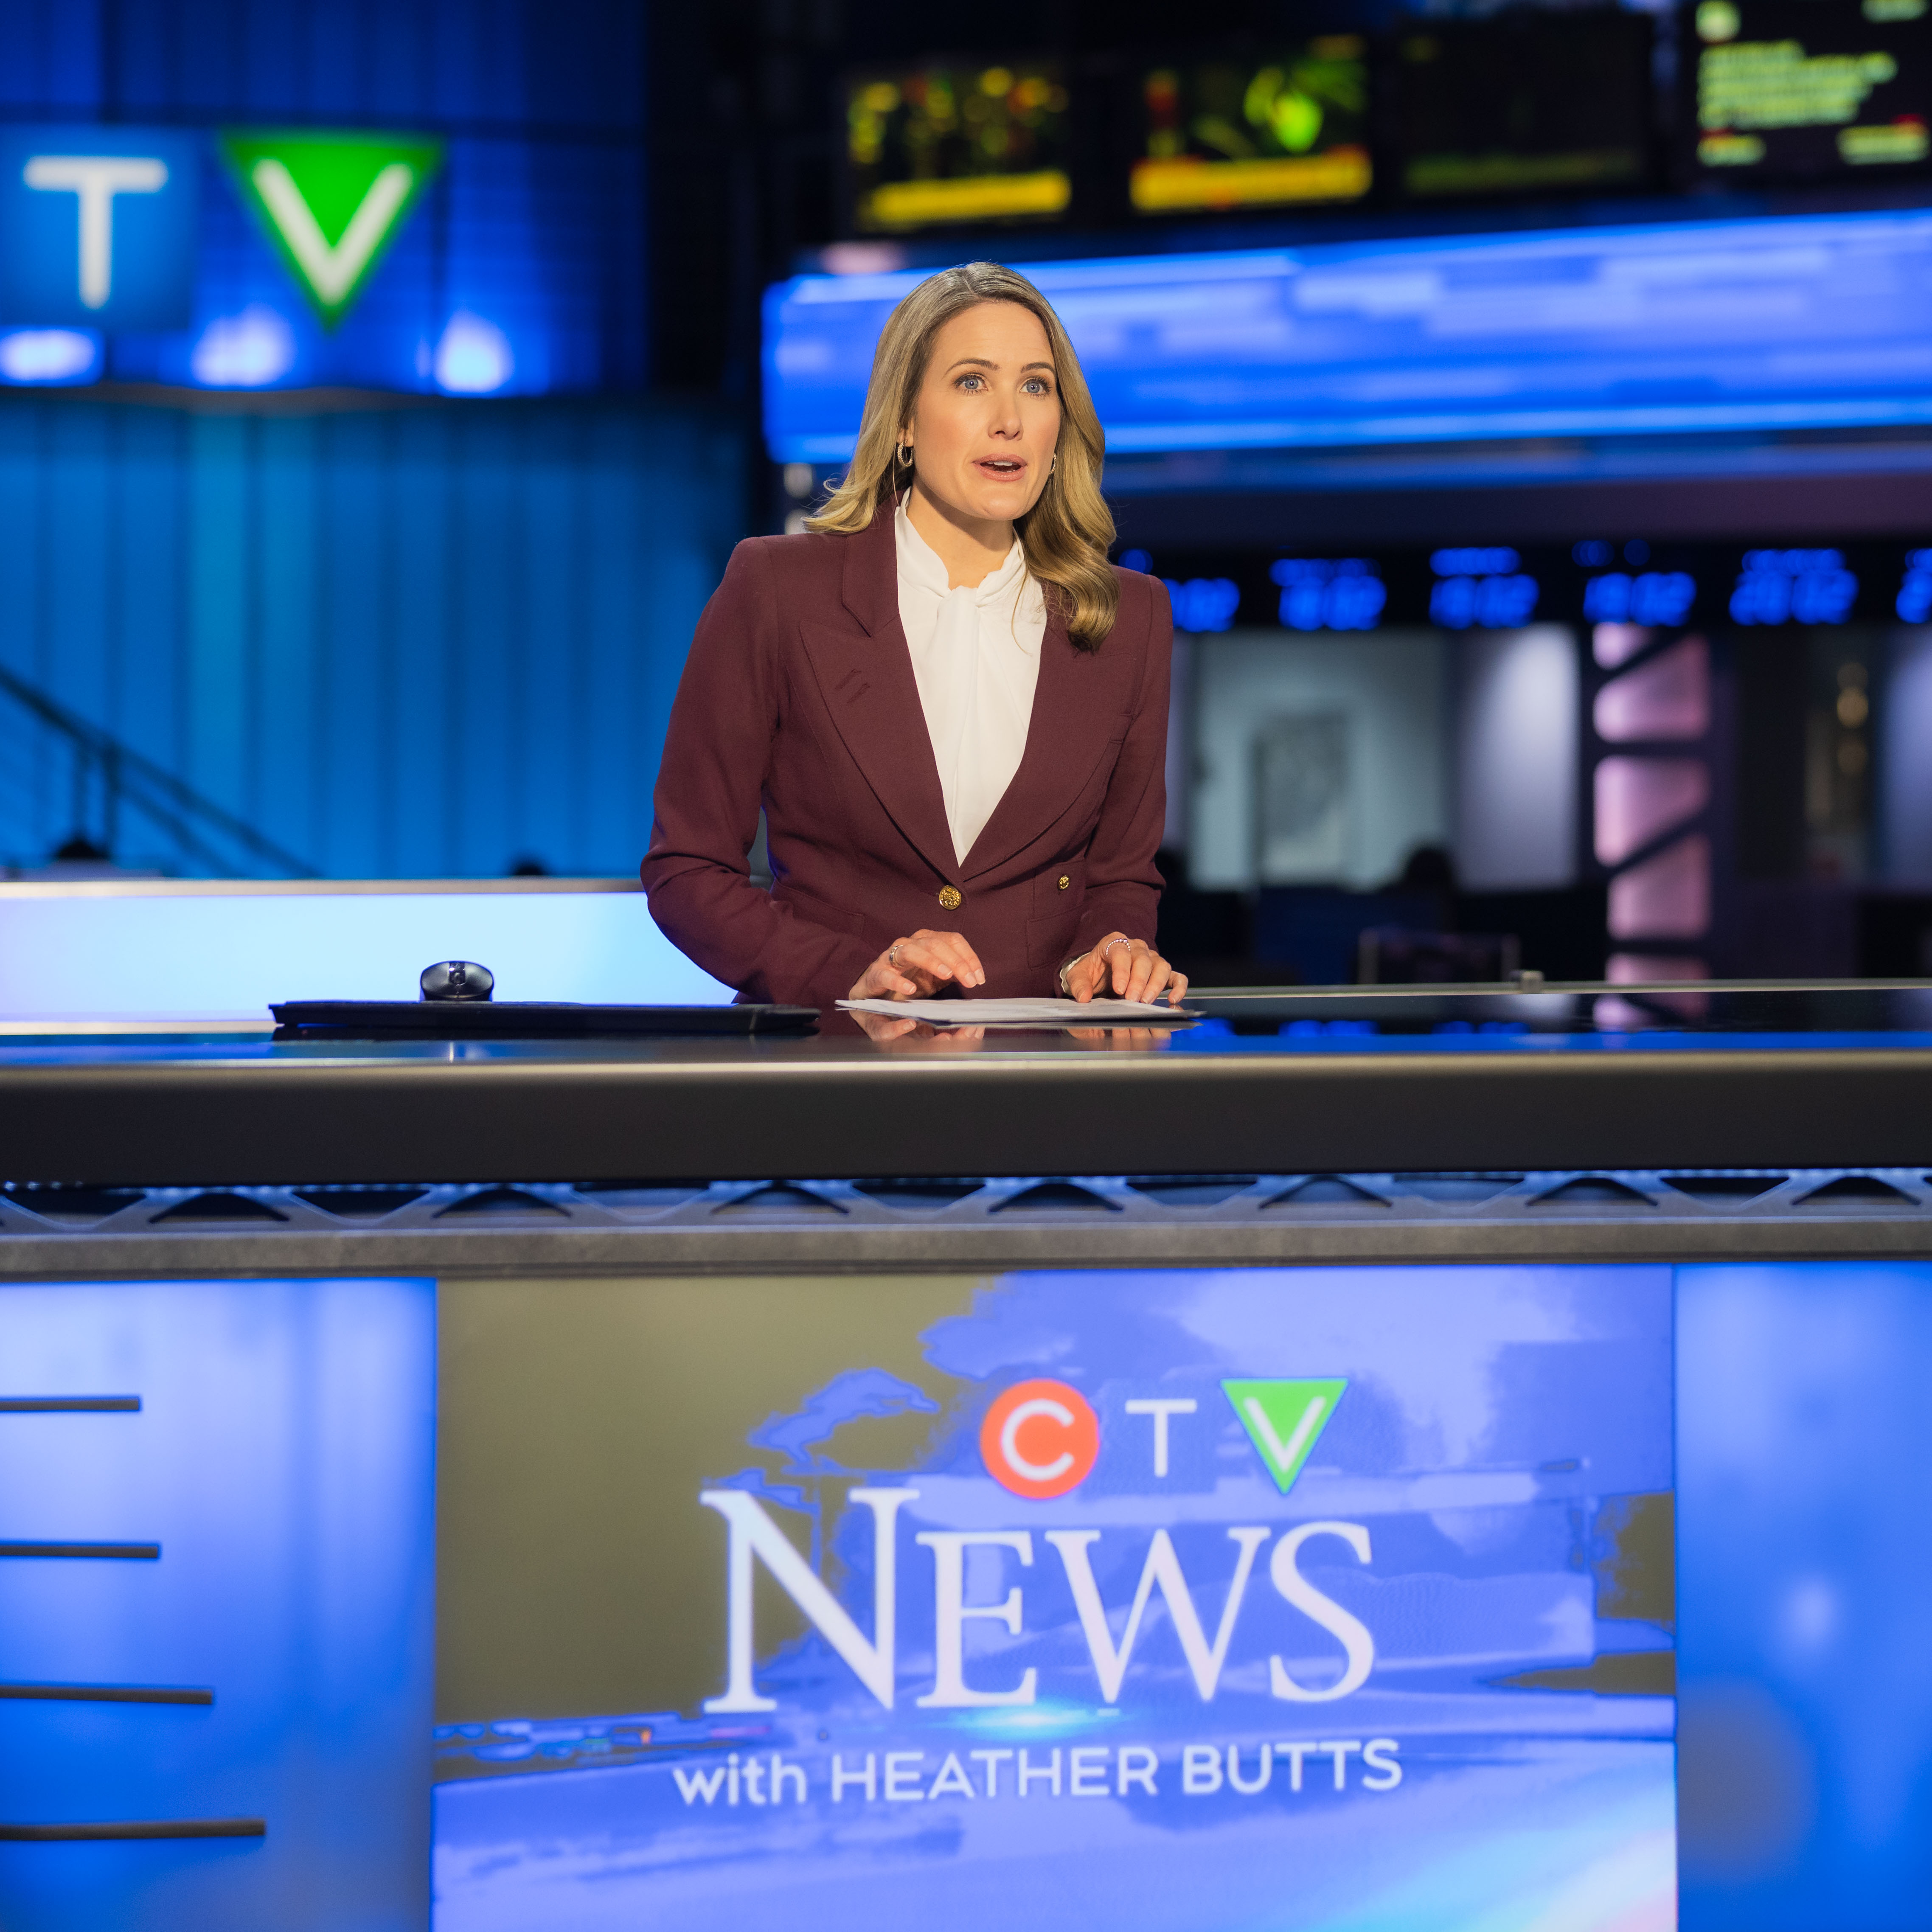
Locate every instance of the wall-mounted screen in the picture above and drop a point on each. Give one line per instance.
(1678, 326)
(932, 146)
(1117, 1598)
(1290, 126)
(1800, 88)
(1523, 103)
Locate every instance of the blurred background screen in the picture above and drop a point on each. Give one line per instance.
(1290, 126)
(1523, 102)
(1798, 89)
(933, 145)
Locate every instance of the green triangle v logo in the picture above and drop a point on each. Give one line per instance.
(1285, 1419)
(330, 203)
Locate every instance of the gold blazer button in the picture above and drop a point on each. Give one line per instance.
(1064, 882)
(949, 898)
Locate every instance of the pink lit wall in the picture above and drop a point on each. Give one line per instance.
(1648, 797)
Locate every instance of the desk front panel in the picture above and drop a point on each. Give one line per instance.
(1558, 1578)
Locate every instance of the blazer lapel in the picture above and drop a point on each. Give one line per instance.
(864, 671)
(1076, 716)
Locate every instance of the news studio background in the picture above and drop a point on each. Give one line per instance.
(1529, 411)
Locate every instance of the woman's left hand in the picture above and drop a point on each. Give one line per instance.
(1129, 969)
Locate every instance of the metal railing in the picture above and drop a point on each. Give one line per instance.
(205, 834)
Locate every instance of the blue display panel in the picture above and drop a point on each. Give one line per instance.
(1138, 1599)
(239, 953)
(1768, 325)
(215, 1595)
(1807, 1716)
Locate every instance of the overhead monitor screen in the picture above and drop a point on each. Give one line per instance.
(1681, 326)
(1811, 88)
(1291, 127)
(1522, 103)
(934, 146)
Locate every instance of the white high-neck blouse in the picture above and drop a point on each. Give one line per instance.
(976, 658)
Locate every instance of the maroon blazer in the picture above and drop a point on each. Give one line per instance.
(799, 694)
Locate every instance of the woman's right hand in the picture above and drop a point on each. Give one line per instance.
(917, 967)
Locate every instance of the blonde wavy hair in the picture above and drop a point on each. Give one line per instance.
(1066, 535)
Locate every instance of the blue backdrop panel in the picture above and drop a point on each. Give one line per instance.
(63, 952)
(415, 642)
(282, 1458)
(1775, 324)
(1806, 1716)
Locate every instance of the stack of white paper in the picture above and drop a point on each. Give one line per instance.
(1022, 1012)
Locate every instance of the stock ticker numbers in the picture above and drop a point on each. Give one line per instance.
(1654, 598)
(1794, 586)
(1482, 588)
(1329, 594)
(1204, 603)
(1914, 600)
(1475, 587)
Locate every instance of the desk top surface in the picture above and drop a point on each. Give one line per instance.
(1784, 1017)
(1391, 1078)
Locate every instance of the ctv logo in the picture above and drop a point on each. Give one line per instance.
(1039, 1441)
(99, 225)
(1041, 1438)
(330, 204)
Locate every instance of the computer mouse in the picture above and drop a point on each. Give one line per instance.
(458, 979)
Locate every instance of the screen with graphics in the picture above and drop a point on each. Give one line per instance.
(1138, 1599)
(1810, 88)
(1292, 127)
(926, 147)
(1523, 103)
(1688, 325)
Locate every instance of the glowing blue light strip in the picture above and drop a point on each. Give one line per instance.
(1793, 322)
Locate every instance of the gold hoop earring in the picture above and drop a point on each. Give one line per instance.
(902, 454)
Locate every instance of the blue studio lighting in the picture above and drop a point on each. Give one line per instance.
(1691, 326)
(44, 357)
(246, 351)
(473, 358)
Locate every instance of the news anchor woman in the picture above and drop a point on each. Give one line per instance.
(952, 708)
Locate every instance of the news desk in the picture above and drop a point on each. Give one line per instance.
(808, 1481)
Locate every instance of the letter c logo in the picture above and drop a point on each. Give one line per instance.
(1039, 1439)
